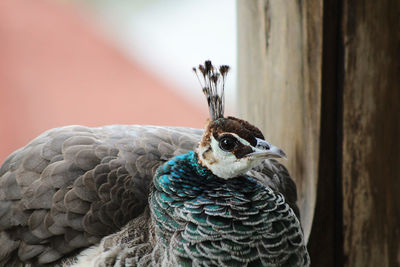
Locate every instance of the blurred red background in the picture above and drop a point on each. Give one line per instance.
(57, 69)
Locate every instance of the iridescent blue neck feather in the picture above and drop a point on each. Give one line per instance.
(201, 219)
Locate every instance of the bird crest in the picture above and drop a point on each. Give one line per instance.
(213, 85)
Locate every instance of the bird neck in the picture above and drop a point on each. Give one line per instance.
(185, 173)
(182, 169)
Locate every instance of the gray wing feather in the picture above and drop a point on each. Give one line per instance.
(73, 185)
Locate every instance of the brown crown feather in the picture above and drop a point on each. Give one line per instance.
(240, 127)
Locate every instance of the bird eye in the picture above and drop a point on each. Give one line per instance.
(227, 143)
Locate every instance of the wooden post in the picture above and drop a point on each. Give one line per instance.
(322, 78)
(280, 84)
(371, 132)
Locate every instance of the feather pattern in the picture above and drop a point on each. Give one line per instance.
(73, 185)
(203, 220)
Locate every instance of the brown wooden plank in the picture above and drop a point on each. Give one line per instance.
(279, 86)
(371, 132)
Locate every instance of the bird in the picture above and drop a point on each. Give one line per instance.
(132, 195)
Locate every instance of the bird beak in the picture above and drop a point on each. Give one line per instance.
(266, 150)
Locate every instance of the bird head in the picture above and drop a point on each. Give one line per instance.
(229, 146)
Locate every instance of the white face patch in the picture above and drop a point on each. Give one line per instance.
(225, 164)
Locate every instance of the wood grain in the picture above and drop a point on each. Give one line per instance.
(371, 131)
(279, 86)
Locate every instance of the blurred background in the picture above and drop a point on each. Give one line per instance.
(319, 77)
(98, 62)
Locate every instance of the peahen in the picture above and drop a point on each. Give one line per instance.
(151, 196)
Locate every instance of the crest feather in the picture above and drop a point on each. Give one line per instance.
(213, 85)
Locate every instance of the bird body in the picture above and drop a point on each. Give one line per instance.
(151, 196)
